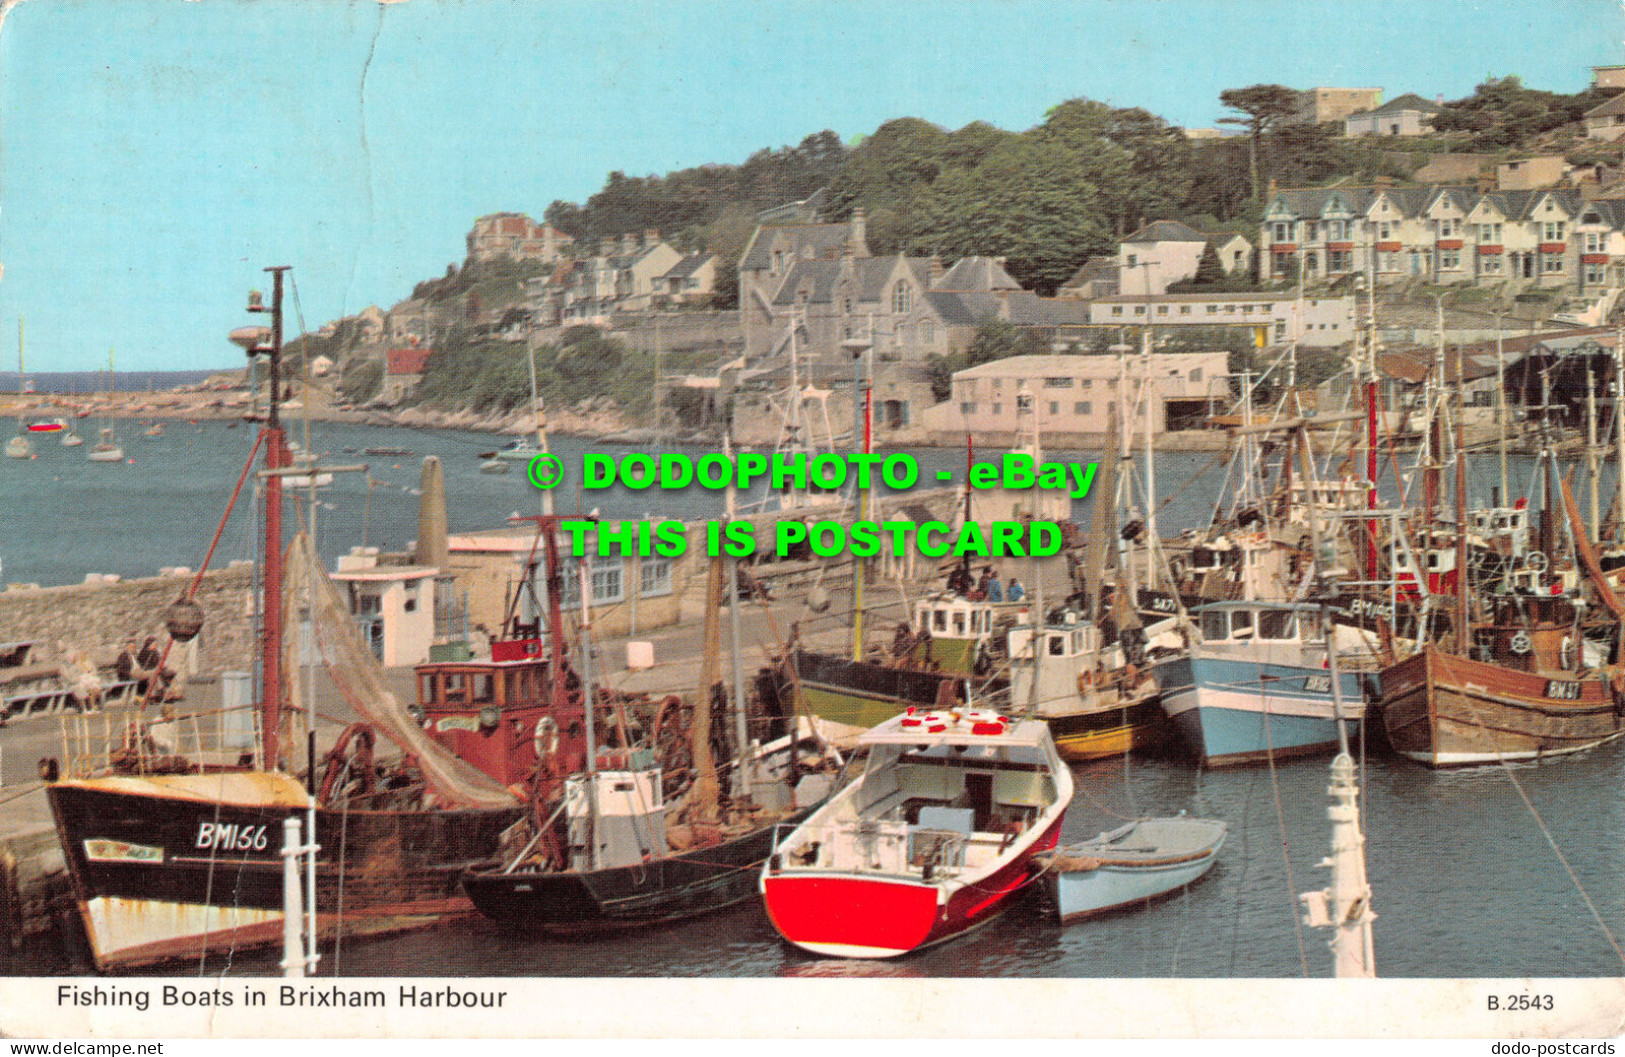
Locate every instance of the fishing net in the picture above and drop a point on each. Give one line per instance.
(360, 679)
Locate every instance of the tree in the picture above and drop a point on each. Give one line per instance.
(1209, 269)
(1266, 106)
(1037, 200)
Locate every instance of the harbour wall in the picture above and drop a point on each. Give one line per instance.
(95, 618)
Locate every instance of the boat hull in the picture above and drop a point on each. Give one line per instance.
(860, 694)
(1109, 881)
(856, 915)
(1109, 732)
(1448, 711)
(1241, 711)
(168, 873)
(585, 902)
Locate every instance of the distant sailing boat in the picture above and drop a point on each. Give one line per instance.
(107, 449)
(22, 445)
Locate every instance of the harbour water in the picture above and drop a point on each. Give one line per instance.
(1469, 879)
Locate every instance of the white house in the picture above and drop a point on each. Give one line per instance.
(393, 604)
(1406, 115)
(1165, 251)
(1316, 322)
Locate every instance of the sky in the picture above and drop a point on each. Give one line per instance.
(156, 155)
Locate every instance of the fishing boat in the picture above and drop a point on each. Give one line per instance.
(22, 445)
(171, 836)
(48, 425)
(936, 836)
(71, 438)
(1255, 684)
(1134, 864)
(611, 845)
(1097, 700)
(107, 448)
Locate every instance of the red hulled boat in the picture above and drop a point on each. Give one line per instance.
(932, 840)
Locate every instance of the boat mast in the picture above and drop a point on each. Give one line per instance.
(1463, 634)
(1501, 409)
(1619, 425)
(1148, 399)
(1591, 448)
(1346, 904)
(741, 727)
(275, 459)
(538, 419)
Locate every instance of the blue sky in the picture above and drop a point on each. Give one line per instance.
(156, 154)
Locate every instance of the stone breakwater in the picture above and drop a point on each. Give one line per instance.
(96, 618)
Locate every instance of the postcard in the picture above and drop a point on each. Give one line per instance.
(1040, 519)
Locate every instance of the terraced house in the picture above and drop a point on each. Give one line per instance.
(1536, 238)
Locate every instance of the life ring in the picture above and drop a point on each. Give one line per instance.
(1520, 643)
(546, 739)
(1535, 561)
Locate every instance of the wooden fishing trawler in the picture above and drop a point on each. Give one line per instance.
(608, 844)
(172, 839)
(1525, 689)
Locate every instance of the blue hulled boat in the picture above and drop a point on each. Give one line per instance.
(1256, 684)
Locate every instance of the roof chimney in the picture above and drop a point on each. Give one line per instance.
(934, 272)
(629, 242)
(606, 247)
(858, 232)
(651, 236)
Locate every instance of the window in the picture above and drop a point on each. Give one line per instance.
(1117, 310)
(1184, 310)
(1283, 232)
(998, 385)
(1139, 310)
(1132, 261)
(1337, 230)
(1594, 274)
(1490, 264)
(1275, 624)
(902, 297)
(1450, 260)
(1054, 407)
(967, 407)
(1593, 242)
(1310, 230)
(655, 576)
(1213, 627)
(1551, 262)
(1339, 260)
(1212, 310)
(1082, 407)
(606, 584)
(1196, 374)
(1162, 310)
(1388, 261)
(1057, 383)
(1280, 330)
(928, 332)
(998, 408)
(1241, 623)
(1229, 310)
(1385, 230)
(1447, 227)
(1489, 232)
(1246, 310)
(1086, 383)
(1552, 231)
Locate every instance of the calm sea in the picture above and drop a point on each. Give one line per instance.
(1468, 879)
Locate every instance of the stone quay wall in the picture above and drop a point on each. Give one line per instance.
(95, 618)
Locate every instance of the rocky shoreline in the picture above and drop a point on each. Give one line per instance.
(597, 419)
